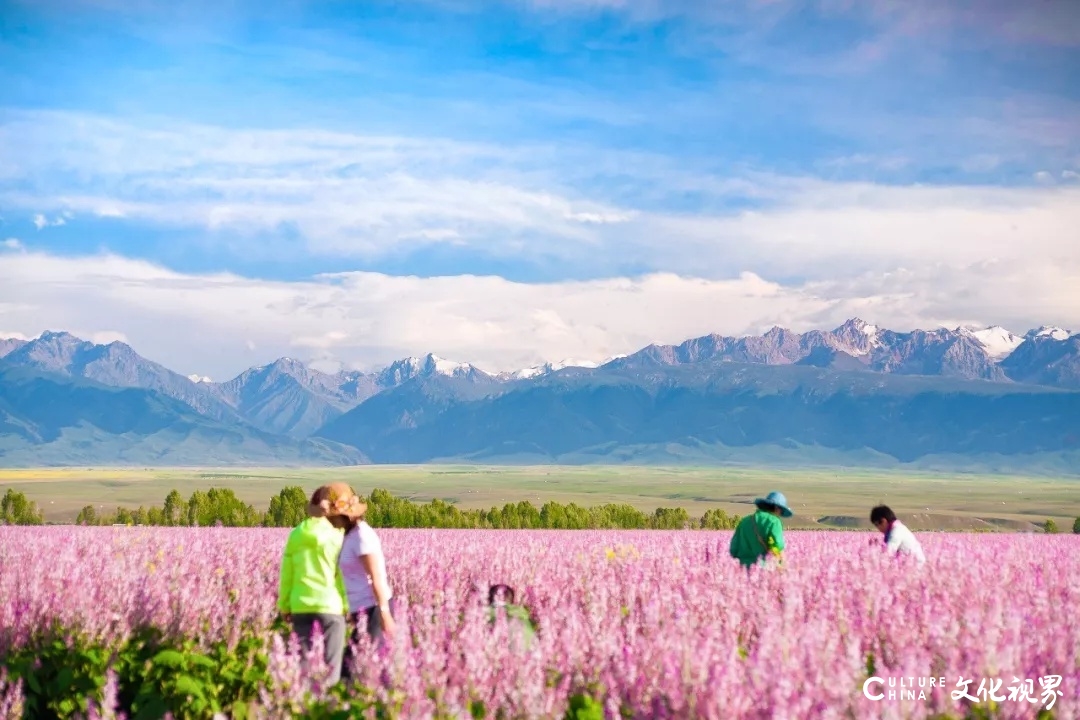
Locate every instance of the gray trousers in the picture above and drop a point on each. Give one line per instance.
(333, 633)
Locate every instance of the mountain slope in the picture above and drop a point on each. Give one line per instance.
(115, 365)
(290, 398)
(9, 345)
(1046, 358)
(287, 397)
(49, 419)
(579, 414)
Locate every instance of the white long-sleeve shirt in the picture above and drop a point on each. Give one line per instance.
(901, 540)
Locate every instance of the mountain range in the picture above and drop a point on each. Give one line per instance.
(857, 394)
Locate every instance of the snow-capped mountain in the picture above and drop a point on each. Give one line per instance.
(290, 398)
(427, 366)
(1047, 331)
(548, 368)
(997, 341)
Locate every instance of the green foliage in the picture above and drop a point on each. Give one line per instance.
(669, 519)
(718, 520)
(1050, 527)
(287, 509)
(15, 509)
(154, 677)
(88, 516)
(583, 707)
(174, 510)
(1076, 526)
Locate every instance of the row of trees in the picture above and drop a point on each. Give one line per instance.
(221, 506)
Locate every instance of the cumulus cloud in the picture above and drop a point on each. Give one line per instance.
(12, 244)
(220, 324)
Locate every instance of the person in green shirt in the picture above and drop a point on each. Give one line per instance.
(501, 601)
(311, 590)
(760, 535)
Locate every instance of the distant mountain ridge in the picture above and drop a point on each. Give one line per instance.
(50, 419)
(715, 411)
(288, 401)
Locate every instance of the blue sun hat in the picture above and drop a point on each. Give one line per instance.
(776, 498)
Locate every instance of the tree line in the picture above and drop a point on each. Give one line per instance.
(221, 506)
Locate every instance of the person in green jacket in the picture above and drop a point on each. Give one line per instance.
(760, 535)
(311, 590)
(501, 602)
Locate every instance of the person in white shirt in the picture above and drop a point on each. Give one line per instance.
(363, 569)
(898, 539)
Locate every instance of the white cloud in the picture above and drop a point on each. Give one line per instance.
(12, 244)
(40, 221)
(1070, 175)
(353, 195)
(1044, 177)
(104, 337)
(214, 324)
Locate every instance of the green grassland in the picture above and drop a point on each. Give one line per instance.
(820, 498)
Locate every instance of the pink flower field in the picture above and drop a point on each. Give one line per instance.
(647, 624)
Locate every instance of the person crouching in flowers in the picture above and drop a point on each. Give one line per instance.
(363, 566)
(501, 602)
(311, 590)
(898, 539)
(761, 535)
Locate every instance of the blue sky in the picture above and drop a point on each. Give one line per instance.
(855, 156)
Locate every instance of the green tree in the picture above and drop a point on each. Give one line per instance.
(1076, 526)
(219, 505)
(88, 516)
(718, 520)
(1050, 527)
(287, 509)
(669, 519)
(175, 509)
(16, 509)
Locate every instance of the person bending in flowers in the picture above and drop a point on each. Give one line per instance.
(311, 590)
(761, 535)
(898, 539)
(501, 602)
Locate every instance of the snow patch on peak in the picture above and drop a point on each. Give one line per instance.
(1054, 333)
(442, 366)
(199, 379)
(996, 341)
(848, 335)
(546, 368)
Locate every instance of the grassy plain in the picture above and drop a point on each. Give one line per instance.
(820, 498)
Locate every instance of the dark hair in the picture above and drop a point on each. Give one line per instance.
(768, 506)
(882, 512)
(500, 591)
(320, 494)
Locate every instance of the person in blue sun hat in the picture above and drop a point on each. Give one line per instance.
(761, 535)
